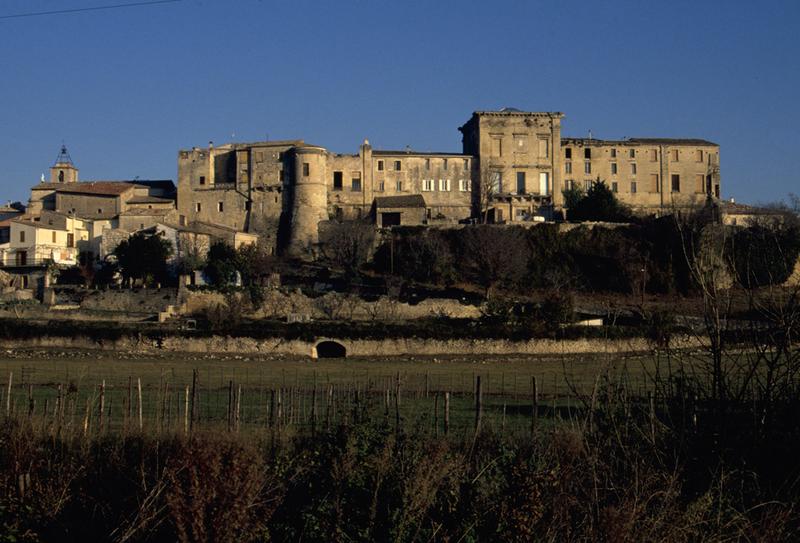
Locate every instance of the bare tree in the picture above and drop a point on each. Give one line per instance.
(485, 188)
(348, 245)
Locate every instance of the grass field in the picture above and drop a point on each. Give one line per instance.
(247, 392)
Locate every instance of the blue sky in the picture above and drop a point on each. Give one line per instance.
(127, 88)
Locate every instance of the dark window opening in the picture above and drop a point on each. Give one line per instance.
(330, 349)
(397, 165)
(587, 153)
(306, 169)
(337, 180)
(356, 184)
(520, 182)
(390, 219)
(380, 165)
(60, 176)
(568, 152)
(676, 183)
(202, 179)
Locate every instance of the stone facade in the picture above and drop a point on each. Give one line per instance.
(513, 167)
(649, 174)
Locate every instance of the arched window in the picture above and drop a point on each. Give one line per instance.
(60, 176)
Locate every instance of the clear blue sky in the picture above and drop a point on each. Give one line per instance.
(127, 88)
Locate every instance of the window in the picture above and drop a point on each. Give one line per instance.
(632, 153)
(248, 205)
(60, 176)
(653, 182)
(355, 182)
(198, 207)
(337, 180)
(587, 167)
(614, 186)
(587, 184)
(280, 176)
(613, 153)
(381, 185)
(544, 148)
(675, 155)
(427, 185)
(380, 165)
(676, 183)
(653, 155)
(444, 164)
(633, 168)
(464, 185)
(633, 187)
(497, 182)
(699, 184)
(427, 164)
(220, 207)
(399, 186)
(587, 153)
(444, 185)
(568, 167)
(466, 164)
(397, 165)
(568, 153)
(54, 237)
(99, 210)
(613, 168)
(520, 182)
(306, 169)
(70, 240)
(202, 179)
(699, 155)
(497, 146)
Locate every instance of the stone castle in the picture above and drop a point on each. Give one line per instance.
(513, 167)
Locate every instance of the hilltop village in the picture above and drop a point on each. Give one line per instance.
(514, 168)
(521, 218)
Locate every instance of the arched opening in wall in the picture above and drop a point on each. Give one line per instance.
(330, 349)
(61, 176)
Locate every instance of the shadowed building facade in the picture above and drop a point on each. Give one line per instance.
(513, 167)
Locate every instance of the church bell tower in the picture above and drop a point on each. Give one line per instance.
(63, 171)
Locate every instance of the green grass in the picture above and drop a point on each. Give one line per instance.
(505, 384)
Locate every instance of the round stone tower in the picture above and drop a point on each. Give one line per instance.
(309, 199)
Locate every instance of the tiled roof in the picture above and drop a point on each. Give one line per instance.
(99, 188)
(637, 141)
(410, 200)
(150, 200)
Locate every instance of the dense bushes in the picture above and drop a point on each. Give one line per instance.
(615, 474)
(656, 255)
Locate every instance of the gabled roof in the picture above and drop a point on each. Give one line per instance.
(410, 200)
(150, 200)
(96, 188)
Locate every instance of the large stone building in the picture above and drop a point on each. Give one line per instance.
(514, 166)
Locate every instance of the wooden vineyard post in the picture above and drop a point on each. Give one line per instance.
(436, 414)
(139, 402)
(397, 402)
(230, 405)
(534, 405)
(8, 394)
(129, 413)
(193, 402)
(446, 413)
(478, 403)
(102, 407)
(186, 411)
(86, 418)
(31, 402)
(314, 407)
(238, 418)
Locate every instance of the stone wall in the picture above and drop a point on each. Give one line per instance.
(279, 304)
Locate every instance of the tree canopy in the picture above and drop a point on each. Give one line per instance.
(144, 257)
